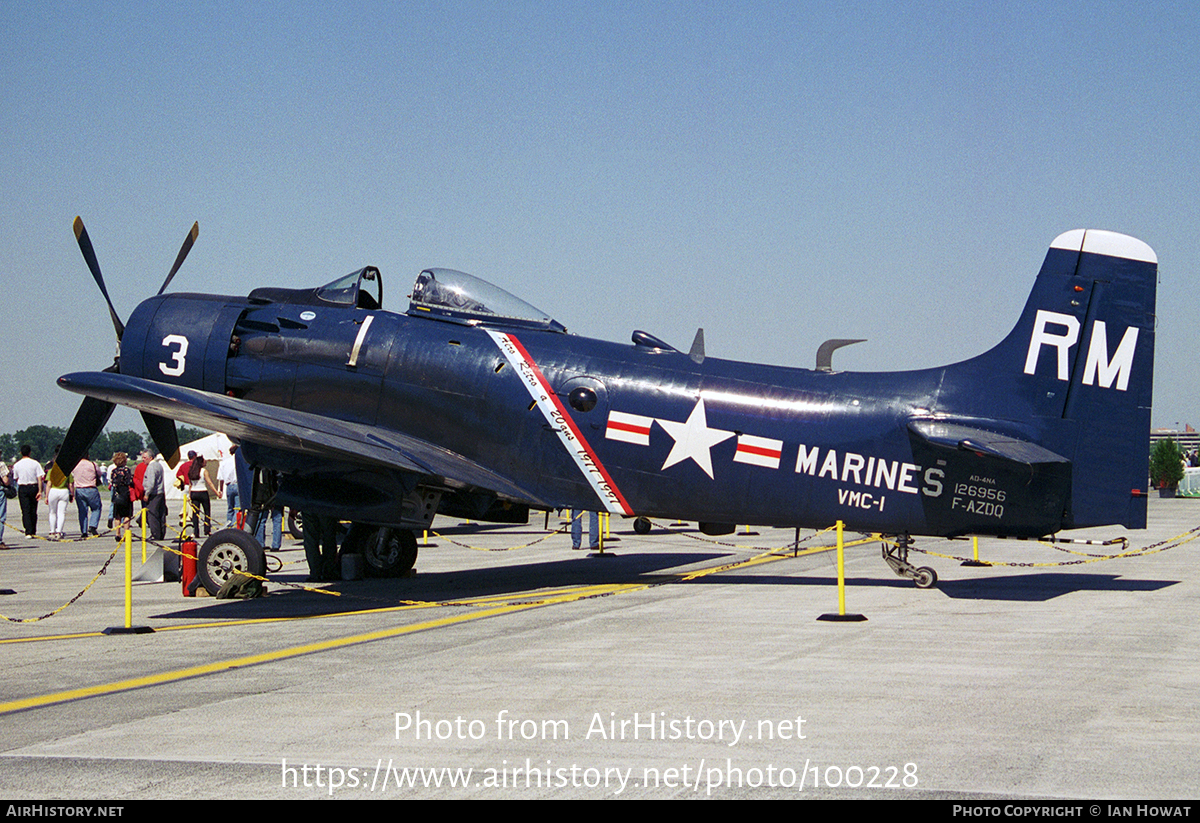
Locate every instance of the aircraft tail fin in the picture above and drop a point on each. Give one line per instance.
(1077, 372)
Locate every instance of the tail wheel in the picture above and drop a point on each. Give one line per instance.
(925, 578)
(641, 525)
(226, 552)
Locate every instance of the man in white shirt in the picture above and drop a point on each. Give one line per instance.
(31, 479)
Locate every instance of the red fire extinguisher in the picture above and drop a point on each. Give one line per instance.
(187, 565)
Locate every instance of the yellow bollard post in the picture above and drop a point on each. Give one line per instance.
(128, 628)
(975, 553)
(143, 535)
(602, 525)
(841, 564)
(841, 616)
(128, 578)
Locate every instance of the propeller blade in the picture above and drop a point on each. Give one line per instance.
(89, 256)
(183, 253)
(89, 421)
(166, 439)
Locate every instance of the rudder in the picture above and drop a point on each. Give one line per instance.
(1076, 372)
(1111, 388)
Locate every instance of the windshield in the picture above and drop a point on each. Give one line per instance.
(355, 289)
(463, 298)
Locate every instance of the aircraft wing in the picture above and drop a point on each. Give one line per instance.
(293, 431)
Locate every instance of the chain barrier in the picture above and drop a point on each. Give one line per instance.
(789, 546)
(792, 545)
(765, 551)
(82, 591)
(461, 545)
(100, 535)
(1086, 557)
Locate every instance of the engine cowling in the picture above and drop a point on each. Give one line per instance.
(182, 339)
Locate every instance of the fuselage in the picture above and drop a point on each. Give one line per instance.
(718, 441)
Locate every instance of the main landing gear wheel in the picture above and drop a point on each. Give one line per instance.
(226, 552)
(295, 524)
(641, 525)
(387, 552)
(896, 556)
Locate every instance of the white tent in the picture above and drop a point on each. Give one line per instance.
(214, 448)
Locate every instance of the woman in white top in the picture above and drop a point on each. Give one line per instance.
(199, 482)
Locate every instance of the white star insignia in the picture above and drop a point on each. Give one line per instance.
(693, 439)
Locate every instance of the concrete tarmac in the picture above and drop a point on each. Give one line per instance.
(510, 666)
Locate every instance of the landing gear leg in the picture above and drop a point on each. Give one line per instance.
(262, 492)
(896, 556)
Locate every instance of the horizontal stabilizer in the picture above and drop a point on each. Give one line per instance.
(988, 482)
(982, 442)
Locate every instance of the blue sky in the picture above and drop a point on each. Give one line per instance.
(778, 173)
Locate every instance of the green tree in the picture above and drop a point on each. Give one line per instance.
(108, 443)
(1166, 463)
(9, 448)
(187, 433)
(44, 439)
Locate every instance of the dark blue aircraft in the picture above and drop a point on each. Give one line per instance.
(474, 403)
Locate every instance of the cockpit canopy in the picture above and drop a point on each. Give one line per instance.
(459, 297)
(443, 294)
(361, 289)
(355, 289)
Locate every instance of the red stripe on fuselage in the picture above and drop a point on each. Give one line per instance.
(742, 447)
(570, 423)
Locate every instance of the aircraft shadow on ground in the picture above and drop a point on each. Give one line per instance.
(518, 581)
(1045, 586)
(652, 568)
(1032, 587)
